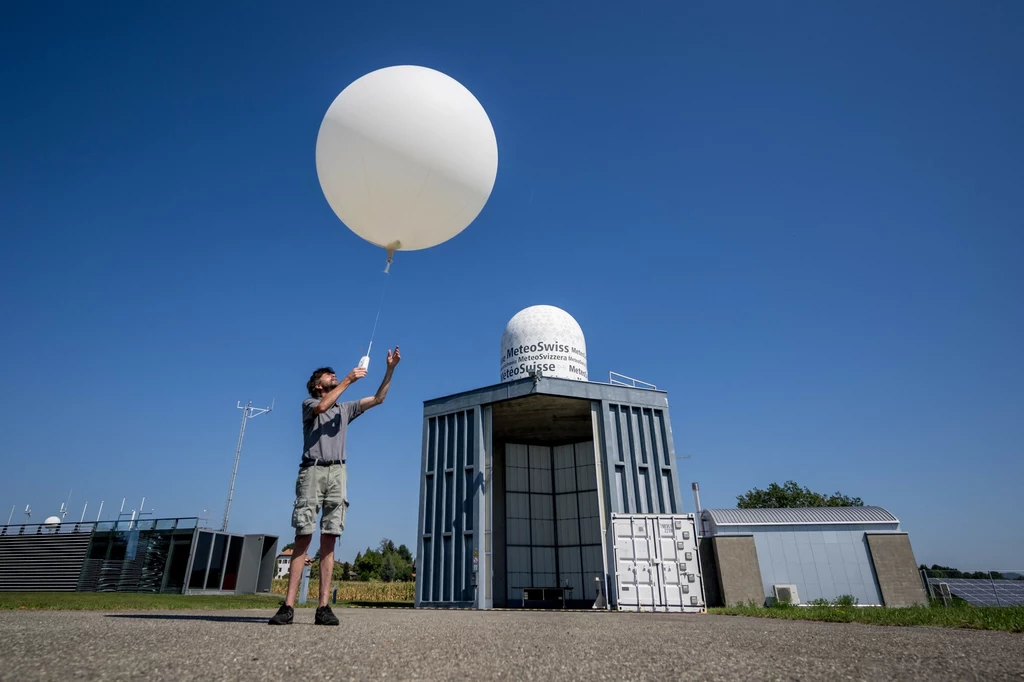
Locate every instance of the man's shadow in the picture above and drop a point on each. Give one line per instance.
(167, 616)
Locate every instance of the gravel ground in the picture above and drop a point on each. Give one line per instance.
(411, 644)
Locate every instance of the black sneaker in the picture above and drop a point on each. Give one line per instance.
(284, 616)
(324, 616)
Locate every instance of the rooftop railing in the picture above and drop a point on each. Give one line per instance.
(69, 527)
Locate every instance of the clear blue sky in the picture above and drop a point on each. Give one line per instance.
(802, 221)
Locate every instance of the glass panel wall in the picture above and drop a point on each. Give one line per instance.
(234, 559)
(552, 521)
(154, 556)
(199, 563)
(144, 556)
(174, 577)
(220, 542)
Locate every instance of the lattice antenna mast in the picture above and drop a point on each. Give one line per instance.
(248, 412)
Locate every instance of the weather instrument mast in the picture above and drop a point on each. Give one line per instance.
(248, 412)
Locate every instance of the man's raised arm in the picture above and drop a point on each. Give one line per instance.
(331, 397)
(382, 392)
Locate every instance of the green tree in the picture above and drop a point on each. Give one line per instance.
(290, 545)
(792, 495)
(386, 563)
(937, 571)
(398, 562)
(369, 565)
(389, 572)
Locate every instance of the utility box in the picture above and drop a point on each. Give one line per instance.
(656, 563)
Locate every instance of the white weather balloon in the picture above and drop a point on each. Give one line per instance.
(406, 157)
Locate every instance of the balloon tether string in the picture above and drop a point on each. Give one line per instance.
(380, 305)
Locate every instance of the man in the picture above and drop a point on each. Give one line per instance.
(322, 480)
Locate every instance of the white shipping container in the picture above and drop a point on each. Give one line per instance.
(657, 567)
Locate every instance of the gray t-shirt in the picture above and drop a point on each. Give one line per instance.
(323, 435)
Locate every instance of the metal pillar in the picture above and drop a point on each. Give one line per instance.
(303, 594)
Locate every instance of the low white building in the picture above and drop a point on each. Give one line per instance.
(284, 560)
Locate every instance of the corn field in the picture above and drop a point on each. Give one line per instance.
(353, 590)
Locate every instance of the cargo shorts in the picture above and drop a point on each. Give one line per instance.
(316, 488)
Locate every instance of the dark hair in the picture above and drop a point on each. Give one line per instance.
(314, 378)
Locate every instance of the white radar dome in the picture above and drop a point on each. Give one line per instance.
(544, 339)
(52, 521)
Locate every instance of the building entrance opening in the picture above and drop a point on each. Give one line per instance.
(548, 531)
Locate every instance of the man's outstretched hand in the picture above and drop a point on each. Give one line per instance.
(394, 358)
(356, 374)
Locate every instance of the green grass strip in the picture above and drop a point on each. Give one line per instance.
(116, 601)
(1005, 618)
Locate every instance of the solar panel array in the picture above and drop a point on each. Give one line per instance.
(983, 592)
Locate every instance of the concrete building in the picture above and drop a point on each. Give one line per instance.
(806, 554)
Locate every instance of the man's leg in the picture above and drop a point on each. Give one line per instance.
(307, 503)
(296, 567)
(331, 524)
(327, 543)
(286, 614)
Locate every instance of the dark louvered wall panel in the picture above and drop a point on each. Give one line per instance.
(42, 563)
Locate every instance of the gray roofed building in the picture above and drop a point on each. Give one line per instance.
(808, 553)
(801, 516)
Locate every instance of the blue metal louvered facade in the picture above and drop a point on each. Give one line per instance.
(640, 459)
(605, 449)
(451, 478)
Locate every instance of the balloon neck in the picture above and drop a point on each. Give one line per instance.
(391, 254)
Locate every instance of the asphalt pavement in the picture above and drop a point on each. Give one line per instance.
(427, 644)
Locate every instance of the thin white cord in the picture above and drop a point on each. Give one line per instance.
(387, 278)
